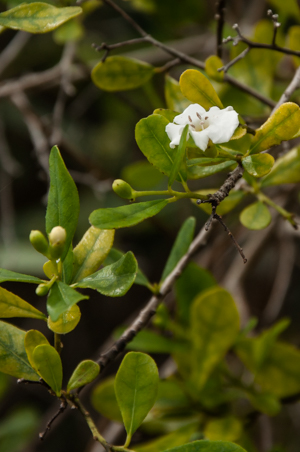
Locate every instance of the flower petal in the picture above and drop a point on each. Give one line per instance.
(201, 138)
(222, 124)
(174, 133)
(191, 111)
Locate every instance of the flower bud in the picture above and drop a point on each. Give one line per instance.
(42, 290)
(57, 238)
(39, 242)
(123, 189)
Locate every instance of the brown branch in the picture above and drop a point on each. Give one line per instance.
(220, 25)
(61, 409)
(294, 84)
(13, 49)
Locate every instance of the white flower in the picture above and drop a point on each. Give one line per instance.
(215, 125)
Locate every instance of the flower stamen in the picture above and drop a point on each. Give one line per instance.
(190, 119)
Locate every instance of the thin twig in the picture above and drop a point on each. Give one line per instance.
(235, 60)
(295, 84)
(240, 250)
(61, 409)
(220, 25)
(13, 49)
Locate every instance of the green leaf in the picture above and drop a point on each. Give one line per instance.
(214, 328)
(91, 251)
(85, 372)
(61, 298)
(125, 216)
(199, 172)
(168, 114)
(212, 64)
(206, 161)
(48, 365)
(68, 32)
(286, 170)
(37, 17)
(179, 156)
(113, 280)
(198, 89)
(153, 141)
(181, 245)
(229, 203)
(142, 175)
(294, 41)
(258, 165)
(282, 125)
(13, 306)
(208, 446)
(63, 200)
(68, 263)
(114, 255)
(173, 439)
(66, 322)
(265, 402)
(174, 98)
(13, 358)
(104, 400)
(227, 428)
(191, 283)
(18, 428)
(32, 339)
(256, 216)
(136, 389)
(7, 275)
(118, 73)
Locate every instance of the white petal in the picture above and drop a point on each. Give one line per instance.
(222, 124)
(190, 111)
(201, 138)
(174, 132)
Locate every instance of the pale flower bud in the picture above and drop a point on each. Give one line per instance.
(57, 238)
(123, 189)
(39, 242)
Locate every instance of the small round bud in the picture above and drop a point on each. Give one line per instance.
(57, 238)
(42, 290)
(123, 189)
(39, 242)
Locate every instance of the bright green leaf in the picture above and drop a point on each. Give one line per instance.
(174, 98)
(199, 172)
(198, 89)
(48, 365)
(153, 141)
(104, 400)
(7, 275)
(168, 114)
(212, 64)
(67, 268)
(13, 358)
(256, 216)
(114, 255)
(32, 339)
(125, 216)
(181, 245)
(91, 251)
(282, 125)
(13, 306)
(208, 446)
(258, 165)
(179, 156)
(61, 298)
(173, 439)
(214, 328)
(118, 73)
(286, 170)
(85, 372)
(227, 428)
(37, 17)
(113, 280)
(136, 389)
(66, 322)
(63, 200)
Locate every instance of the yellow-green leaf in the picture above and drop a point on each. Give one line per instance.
(286, 170)
(104, 400)
(294, 41)
(85, 372)
(258, 165)
(66, 322)
(13, 306)
(174, 98)
(256, 216)
(227, 429)
(37, 17)
(91, 251)
(70, 31)
(212, 64)
(118, 73)
(282, 125)
(48, 365)
(198, 89)
(32, 339)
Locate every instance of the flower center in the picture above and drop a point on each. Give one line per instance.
(198, 123)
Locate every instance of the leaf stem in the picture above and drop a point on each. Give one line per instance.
(57, 343)
(284, 213)
(176, 194)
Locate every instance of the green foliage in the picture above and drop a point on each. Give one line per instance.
(208, 446)
(212, 64)
(104, 400)
(198, 89)
(180, 156)
(48, 365)
(85, 372)
(37, 17)
(66, 322)
(286, 170)
(7, 275)
(61, 298)
(256, 216)
(118, 73)
(258, 165)
(18, 429)
(174, 98)
(13, 306)
(227, 428)
(136, 389)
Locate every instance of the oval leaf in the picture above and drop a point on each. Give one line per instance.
(66, 322)
(104, 400)
(198, 89)
(32, 339)
(179, 156)
(91, 251)
(153, 141)
(7, 275)
(258, 165)
(63, 200)
(282, 125)
(61, 298)
(286, 170)
(85, 372)
(208, 446)
(256, 216)
(198, 172)
(48, 365)
(228, 428)
(13, 306)
(136, 387)
(125, 216)
(118, 73)
(174, 98)
(37, 17)
(13, 357)
(212, 64)
(113, 280)
(114, 255)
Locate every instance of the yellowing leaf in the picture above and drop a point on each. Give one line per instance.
(212, 64)
(37, 17)
(32, 339)
(228, 429)
(258, 165)
(66, 322)
(174, 98)
(256, 216)
(48, 365)
(198, 89)
(282, 125)
(13, 306)
(286, 170)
